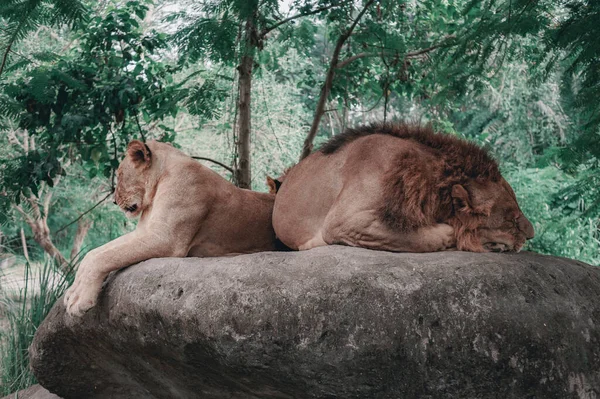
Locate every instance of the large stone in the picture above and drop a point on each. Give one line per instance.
(332, 322)
(33, 392)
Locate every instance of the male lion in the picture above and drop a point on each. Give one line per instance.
(399, 188)
(186, 210)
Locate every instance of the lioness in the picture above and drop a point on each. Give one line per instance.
(399, 188)
(185, 209)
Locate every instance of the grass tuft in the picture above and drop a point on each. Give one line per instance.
(24, 312)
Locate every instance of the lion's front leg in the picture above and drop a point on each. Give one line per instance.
(124, 251)
(364, 229)
(439, 237)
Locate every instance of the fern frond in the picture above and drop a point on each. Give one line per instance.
(9, 108)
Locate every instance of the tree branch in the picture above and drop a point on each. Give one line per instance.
(349, 60)
(326, 89)
(411, 54)
(355, 22)
(28, 219)
(84, 213)
(215, 162)
(286, 20)
(34, 206)
(139, 127)
(416, 53)
(47, 204)
(5, 56)
(13, 39)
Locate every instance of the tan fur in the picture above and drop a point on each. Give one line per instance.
(185, 209)
(399, 188)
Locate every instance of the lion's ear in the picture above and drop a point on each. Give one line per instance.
(461, 198)
(139, 153)
(272, 185)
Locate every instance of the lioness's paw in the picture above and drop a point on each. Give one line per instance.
(80, 298)
(77, 306)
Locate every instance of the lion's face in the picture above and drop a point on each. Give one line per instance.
(490, 219)
(131, 178)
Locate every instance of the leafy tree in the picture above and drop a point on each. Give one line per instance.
(377, 47)
(233, 32)
(21, 17)
(83, 108)
(491, 33)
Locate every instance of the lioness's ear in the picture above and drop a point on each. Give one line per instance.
(461, 197)
(139, 153)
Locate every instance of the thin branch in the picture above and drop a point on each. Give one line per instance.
(13, 39)
(25, 57)
(215, 162)
(286, 20)
(115, 158)
(5, 56)
(416, 53)
(411, 54)
(84, 213)
(139, 127)
(326, 88)
(360, 15)
(349, 60)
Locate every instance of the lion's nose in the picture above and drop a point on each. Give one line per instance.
(526, 227)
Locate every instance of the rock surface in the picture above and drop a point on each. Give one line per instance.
(333, 322)
(33, 392)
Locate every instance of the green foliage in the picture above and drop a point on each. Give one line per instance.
(21, 17)
(556, 40)
(24, 315)
(547, 199)
(85, 107)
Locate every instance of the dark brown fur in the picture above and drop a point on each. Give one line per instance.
(473, 161)
(417, 190)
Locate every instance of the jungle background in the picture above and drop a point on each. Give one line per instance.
(252, 85)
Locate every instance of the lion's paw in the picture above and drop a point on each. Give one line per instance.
(447, 235)
(441, 237)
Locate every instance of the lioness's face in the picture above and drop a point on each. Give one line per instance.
(131, 179)
(500, 224)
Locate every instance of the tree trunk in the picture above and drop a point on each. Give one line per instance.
(83, 226)
(252, 41)
(243, 173)
(308, 142)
